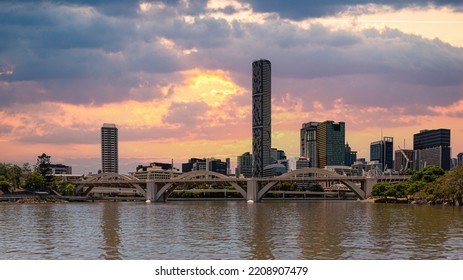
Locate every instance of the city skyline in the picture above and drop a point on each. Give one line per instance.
(174, 76)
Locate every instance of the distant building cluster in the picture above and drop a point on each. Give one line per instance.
(322, 145)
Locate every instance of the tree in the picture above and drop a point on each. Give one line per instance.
(66, 188)
(316, 188)
(452, 185)
(431, 173)
(5, 186)
(43, 166)
(380, 189)
(36, 181)
(11, 173)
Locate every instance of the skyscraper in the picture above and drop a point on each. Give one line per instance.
(109, 148)
(331, 143)
(309, 148)
(351, 156)
(383, 152)
(261, 116)
(432, 147)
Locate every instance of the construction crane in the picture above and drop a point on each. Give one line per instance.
(408, 161)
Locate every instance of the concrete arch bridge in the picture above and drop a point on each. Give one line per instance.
(250, 188)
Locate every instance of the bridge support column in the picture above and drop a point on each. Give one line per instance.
(368, 186)
(151, 190)
(252, 189)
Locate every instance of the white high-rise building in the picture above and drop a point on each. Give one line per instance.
(109, 148)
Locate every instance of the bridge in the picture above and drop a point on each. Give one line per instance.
(251, 189)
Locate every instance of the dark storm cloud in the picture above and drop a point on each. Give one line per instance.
(69, 53)
(296, 9)
(117, 8)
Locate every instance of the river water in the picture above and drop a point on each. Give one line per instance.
(230, 230)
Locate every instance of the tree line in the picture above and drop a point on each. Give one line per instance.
(37, 178)
(431, 185)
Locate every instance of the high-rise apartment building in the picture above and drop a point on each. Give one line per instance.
(331, 139)
(261, 116)
(309, 143)
(383, 152)
(432, 147)
(109, 148)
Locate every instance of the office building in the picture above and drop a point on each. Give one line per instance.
(302, 162)
(460, 158)
(187, 167)
(309, 143)
(351, 156)
(261, 116)
(432, 147)
(331, 143)
(244, 165)
(209, 164)
(382, 151)
(109, 148)
(156, 171)
(277, 155)
(60, 169)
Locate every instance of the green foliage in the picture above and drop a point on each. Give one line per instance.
(11, 173)
(316, 188)
(5, 186)
(380, 189)
(35, 181)
(287, 186)
(43, 166)
(429, 174)
(451, 185)
(66, 188)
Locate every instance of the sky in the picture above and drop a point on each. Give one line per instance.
(175, 76)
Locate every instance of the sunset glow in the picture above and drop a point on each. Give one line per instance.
(176, 77)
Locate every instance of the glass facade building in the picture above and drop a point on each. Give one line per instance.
(382, 151)
(432, 147)
(331, 141)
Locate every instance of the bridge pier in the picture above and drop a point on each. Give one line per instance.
(368, 186)
(252, 189)
(151, 190)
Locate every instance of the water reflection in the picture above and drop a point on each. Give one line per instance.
(110, 230)
(231, 230)
(260, 241)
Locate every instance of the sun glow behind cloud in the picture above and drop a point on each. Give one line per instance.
(175, 76)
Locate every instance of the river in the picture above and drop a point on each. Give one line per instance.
(230, 230)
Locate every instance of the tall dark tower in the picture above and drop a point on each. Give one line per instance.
(261, 116)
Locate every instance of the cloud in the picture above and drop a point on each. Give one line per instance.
(185, 114)
(297, 10)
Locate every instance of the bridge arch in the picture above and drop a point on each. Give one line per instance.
(311, 170)
(201, 175)
(98, 179)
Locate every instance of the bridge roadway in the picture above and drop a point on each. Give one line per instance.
(252, 189)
